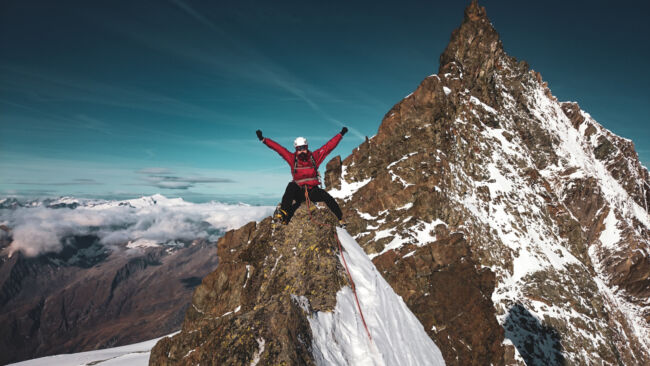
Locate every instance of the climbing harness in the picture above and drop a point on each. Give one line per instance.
(313, 166)
(347, 270)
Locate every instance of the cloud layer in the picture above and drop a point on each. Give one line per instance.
(40, 229)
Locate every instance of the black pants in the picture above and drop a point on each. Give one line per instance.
(296, 193)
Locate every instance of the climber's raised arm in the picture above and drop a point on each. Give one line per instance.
(284, 153)
(321, 153)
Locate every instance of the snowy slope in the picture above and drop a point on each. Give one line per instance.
(398, 338)
(132, 355)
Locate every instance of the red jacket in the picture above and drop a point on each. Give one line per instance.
(306, 173)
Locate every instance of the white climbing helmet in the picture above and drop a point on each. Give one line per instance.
(299, 141)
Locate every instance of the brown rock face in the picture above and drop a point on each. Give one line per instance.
(616, 153)
(443, 287)
(333, 175)
(475, 47)
(552, 210)
(248, 309)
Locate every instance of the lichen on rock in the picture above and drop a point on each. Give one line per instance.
(250, 299)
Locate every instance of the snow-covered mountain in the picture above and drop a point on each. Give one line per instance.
(488, 204)
(79, 274)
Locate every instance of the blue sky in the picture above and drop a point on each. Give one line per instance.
(118, 99)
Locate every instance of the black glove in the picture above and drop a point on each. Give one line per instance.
(259, 135)
(344, 131)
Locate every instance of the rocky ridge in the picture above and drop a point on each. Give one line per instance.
(481, 179)
(281, 296)
(247, 308)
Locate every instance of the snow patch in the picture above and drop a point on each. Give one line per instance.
(419, 234)
(398, 338)
(394, 177)
(347, 189)
(611, 235)
(474, 100)
(248, 274)
(142, 243)
(132, 355)
(401, 159)
(406, 206)
(366, 216)
(260, 349)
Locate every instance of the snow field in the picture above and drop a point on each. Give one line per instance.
(398, 338)
(132, 355)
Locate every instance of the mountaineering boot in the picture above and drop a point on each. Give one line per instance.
(280, 216)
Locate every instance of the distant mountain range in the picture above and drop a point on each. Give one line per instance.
(80, 274)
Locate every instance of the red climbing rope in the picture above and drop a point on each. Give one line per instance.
(347, 270)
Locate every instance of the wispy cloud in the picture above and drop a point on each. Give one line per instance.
(165, 178)
(86, 181)
(123, 178)
(154, 170)
(95, 124)
(255, 66)
(34, 193)
(20, 80)
(196, 15)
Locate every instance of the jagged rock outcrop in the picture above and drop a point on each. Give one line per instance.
(287, 295)
(249, 308)
(86, 297)
(450, 295)
(546, 209)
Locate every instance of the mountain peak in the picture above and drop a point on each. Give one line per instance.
(475, 46)
(482, 176)
(474, 12)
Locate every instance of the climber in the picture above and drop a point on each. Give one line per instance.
(306, 178)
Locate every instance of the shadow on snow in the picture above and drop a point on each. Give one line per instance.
(537, 343)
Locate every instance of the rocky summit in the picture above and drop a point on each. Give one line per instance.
(286, 295)
(247, 308)
(515, 226)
